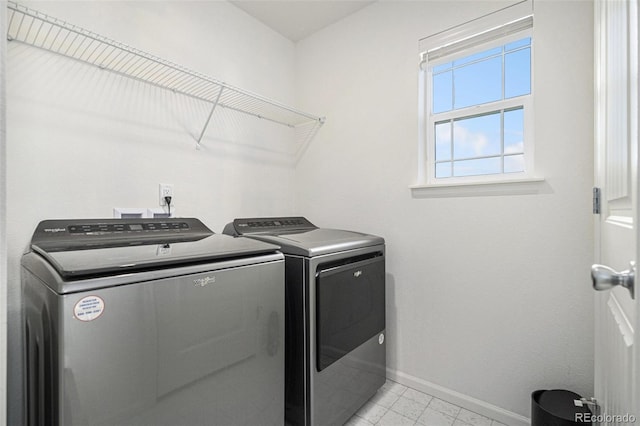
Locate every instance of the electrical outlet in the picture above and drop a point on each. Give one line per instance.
(166, 190)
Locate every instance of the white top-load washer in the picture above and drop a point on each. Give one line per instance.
(151, 322)
(335, 316)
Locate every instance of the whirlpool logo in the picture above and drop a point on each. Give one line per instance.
(202, 282)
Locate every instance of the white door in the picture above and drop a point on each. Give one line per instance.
(617, 328)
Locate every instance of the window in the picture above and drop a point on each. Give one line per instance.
(476, 101)
(468, 142)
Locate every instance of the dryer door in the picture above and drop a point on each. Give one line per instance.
(350, 306)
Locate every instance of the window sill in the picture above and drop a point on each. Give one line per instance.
(522, 186)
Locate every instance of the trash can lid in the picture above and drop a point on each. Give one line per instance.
(560, 403)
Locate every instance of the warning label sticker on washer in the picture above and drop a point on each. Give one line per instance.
(88, 308)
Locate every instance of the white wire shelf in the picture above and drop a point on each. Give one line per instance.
(37, 29)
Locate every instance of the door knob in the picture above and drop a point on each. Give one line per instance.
(605, 278)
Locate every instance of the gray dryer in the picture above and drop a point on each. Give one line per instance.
(335, 316)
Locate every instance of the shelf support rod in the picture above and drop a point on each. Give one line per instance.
(206, 124)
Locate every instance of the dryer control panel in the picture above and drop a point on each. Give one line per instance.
(267, 225)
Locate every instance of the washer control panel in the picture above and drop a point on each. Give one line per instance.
(78, 234)
(101, 228)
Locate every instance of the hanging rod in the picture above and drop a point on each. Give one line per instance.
(43, 31)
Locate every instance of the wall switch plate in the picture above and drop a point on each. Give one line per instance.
(166, 190)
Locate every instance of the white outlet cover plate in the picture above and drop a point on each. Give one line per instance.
(162, 189)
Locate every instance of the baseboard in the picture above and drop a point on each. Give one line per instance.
(472, 404)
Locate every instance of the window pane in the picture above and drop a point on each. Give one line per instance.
(443, 141)
(470, 144)
(514, 163)
(478, 83)
(442, 67)
(519, 43)
(443, 170)
(442, 92)
(477, 136)
(514, 131)
(517, 79)
(481, 166)
(475, 57)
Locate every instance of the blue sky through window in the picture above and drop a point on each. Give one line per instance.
(489, 143)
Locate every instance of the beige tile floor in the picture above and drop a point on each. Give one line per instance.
(398, 405)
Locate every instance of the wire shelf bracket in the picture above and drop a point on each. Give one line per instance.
(40, 30)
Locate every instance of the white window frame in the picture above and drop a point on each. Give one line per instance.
(499, 28)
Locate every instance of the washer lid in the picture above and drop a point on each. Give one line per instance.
(296, 235)
(82, 248)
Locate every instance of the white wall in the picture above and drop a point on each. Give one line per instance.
(82, 141)
(488, 296)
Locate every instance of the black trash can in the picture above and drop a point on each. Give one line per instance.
(556, 408)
